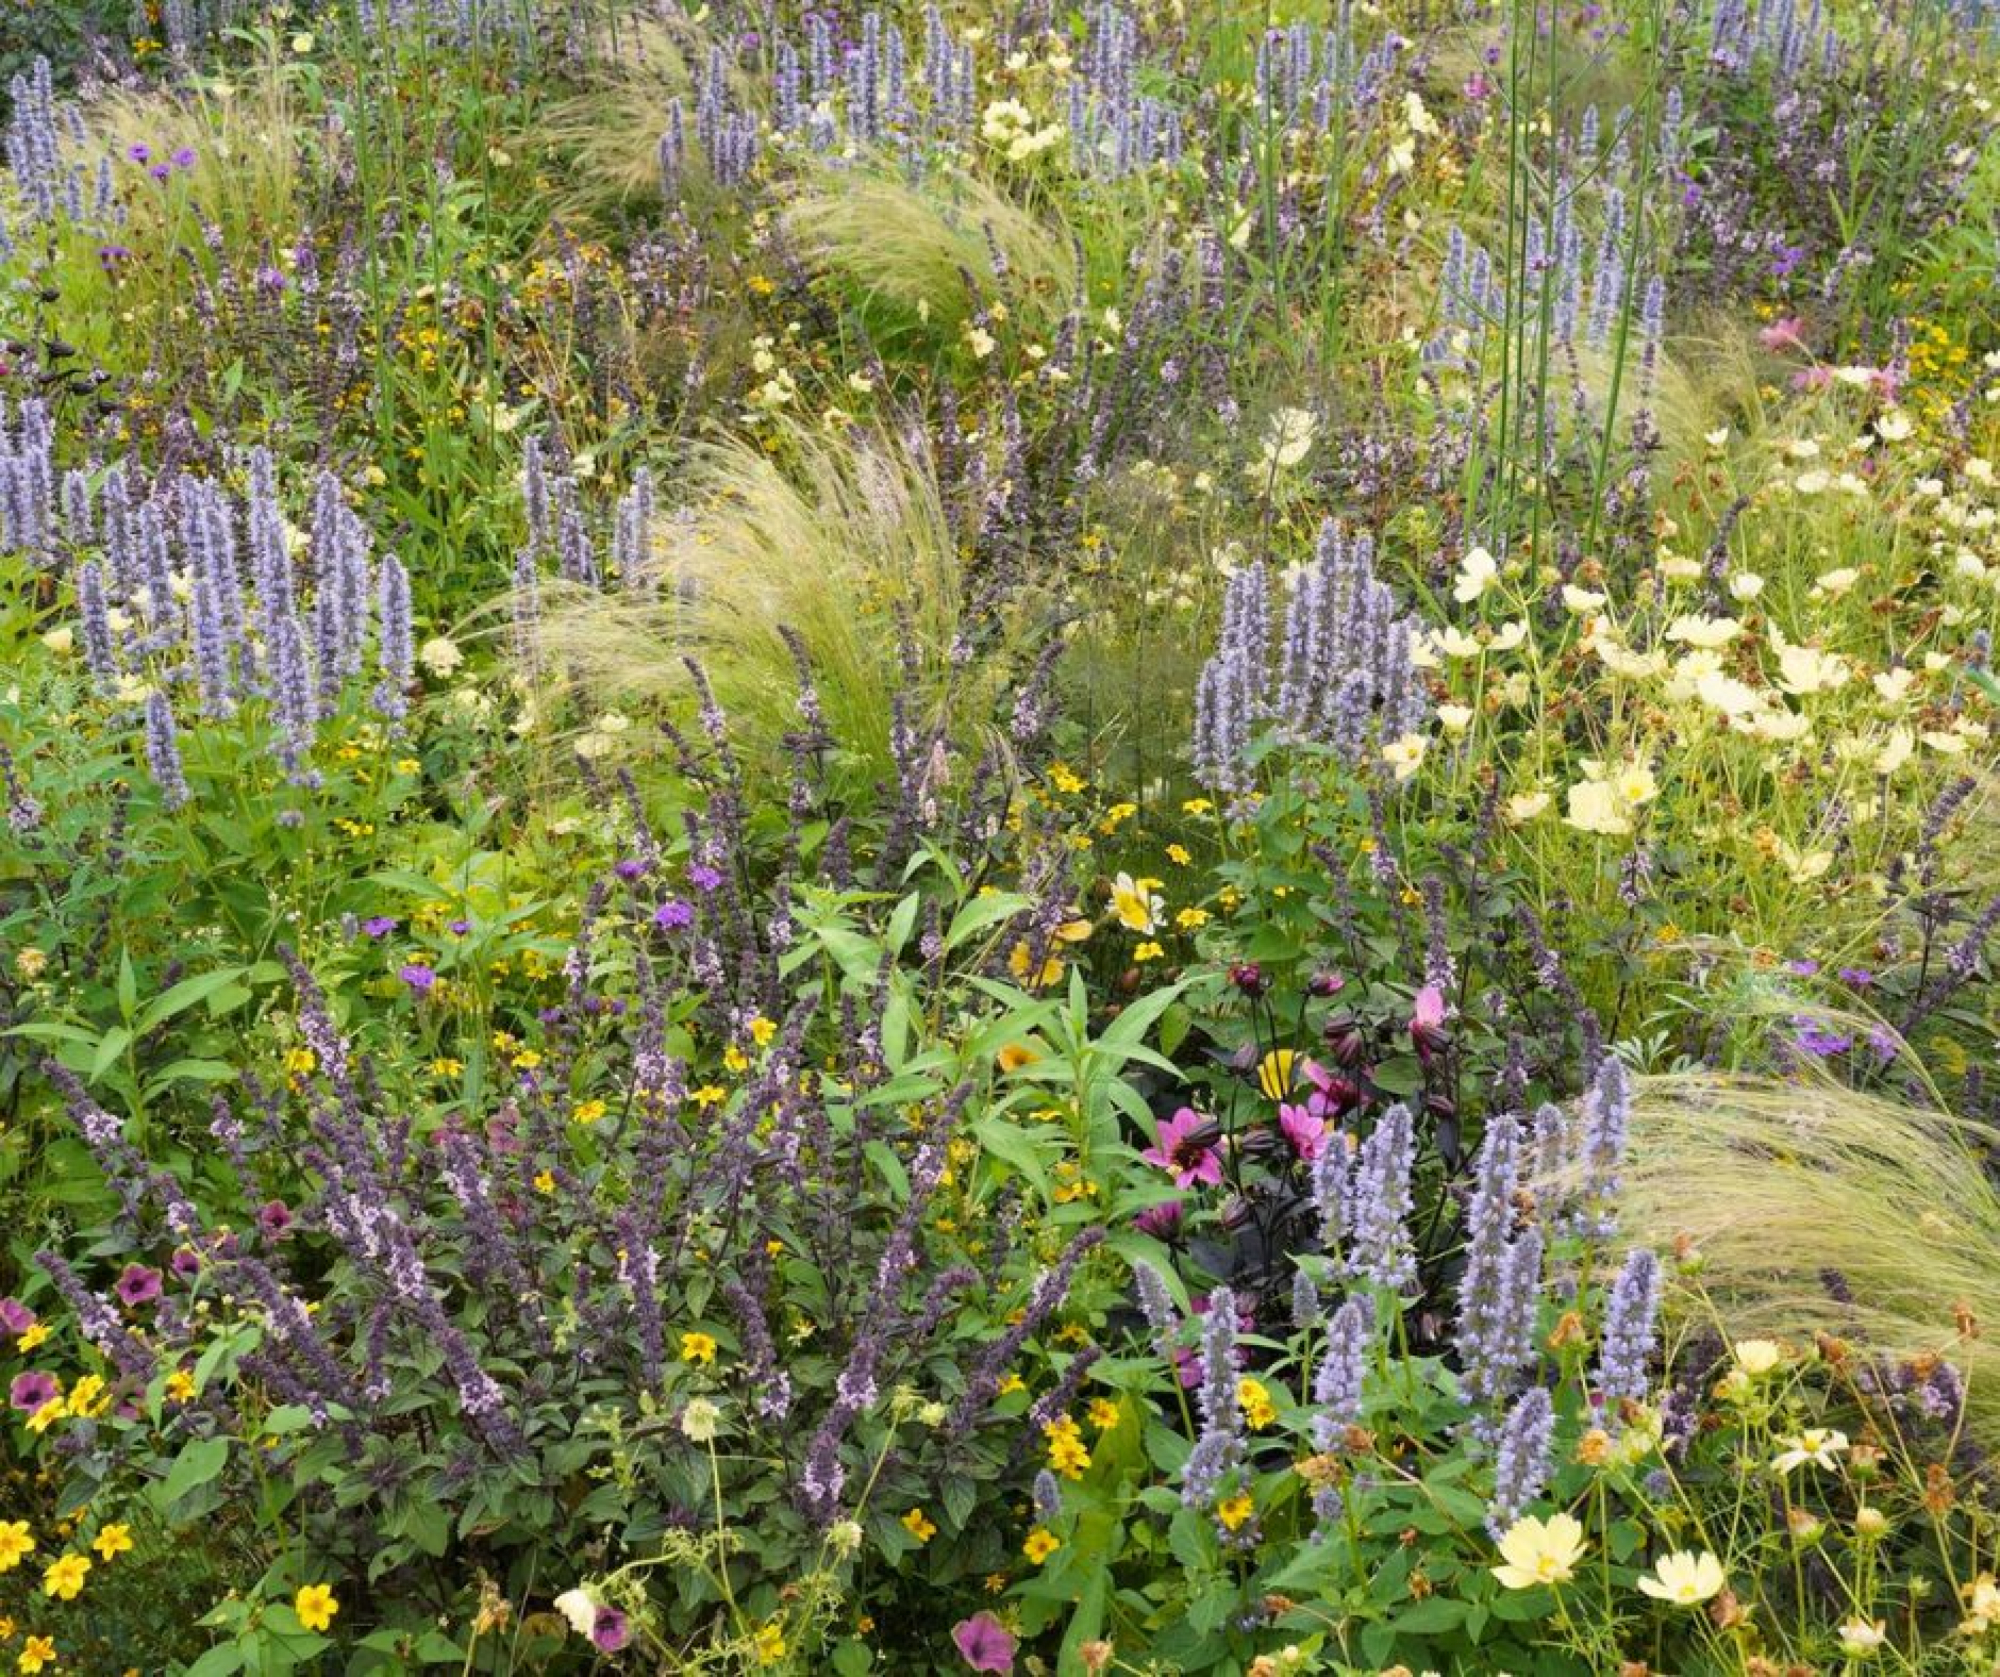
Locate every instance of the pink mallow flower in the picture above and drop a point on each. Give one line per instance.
(1176, 1151)
(985, 1644)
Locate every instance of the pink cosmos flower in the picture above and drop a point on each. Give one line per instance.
(1176, 1151)
(1788, 333)
(985, 1644)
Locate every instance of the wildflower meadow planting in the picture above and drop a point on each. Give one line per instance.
(977, 837)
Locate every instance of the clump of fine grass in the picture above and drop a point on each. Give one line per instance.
(610, 131)
(847, 546)
(913, 247)
(1793, 1192)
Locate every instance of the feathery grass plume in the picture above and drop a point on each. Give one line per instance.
(611, 130)
(244, 137)
(847, 546)
(913, 246)
(1784, 1187)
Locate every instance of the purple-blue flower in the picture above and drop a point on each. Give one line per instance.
(419, 977)
(673, 914)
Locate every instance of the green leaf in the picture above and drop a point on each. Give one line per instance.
(183, 996)
(1431, 1617)
(195, 1466)
(982, 912)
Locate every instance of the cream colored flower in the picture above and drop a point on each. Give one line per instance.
(1685, 1579)
(1477, 572)
(1540, 1551)
(1709, 633)
(1405, 755)
(1860, 1638)
(1758, 1357)
(1817, 1446)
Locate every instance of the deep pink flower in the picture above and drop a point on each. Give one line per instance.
(15, 1317)
(1305, 1130)
(985, 1644)
(1176, 1151)
(1162, 1221)
(274, 1218)
(1427, 1019)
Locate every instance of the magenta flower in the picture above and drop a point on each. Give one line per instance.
(274, 1218)
(610, 1630)
(985, 1644)
(1177, 1150)
(15, 1317)
(31, 1390)
(1304, 1129)
(138, 1285)
(1162, 1221)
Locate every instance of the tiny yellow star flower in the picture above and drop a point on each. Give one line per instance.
(918, 1526)
(697, 1348)
(112, 1541)
(16, 1542)
(64, 1578)
(1040, 1545)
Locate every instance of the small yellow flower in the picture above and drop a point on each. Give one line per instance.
(1255, 1402)
(16, 1542)
(1040, 1545)
(1014, 1055)
(445, 1066)
(770, 1644)
(36, 1652)
(84, 1395)
(1235, 1511)
(588, 1112)
(46, 1416)
(1179, 855)
(1148, 951)
(315, 1606)
(64, 1578)
(697, 1348)
(1104, 1414)
(33, 1337)
(918, 1526)
(180, 1385)
(762, 1030)
(545, 1182)
(112, 1541)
